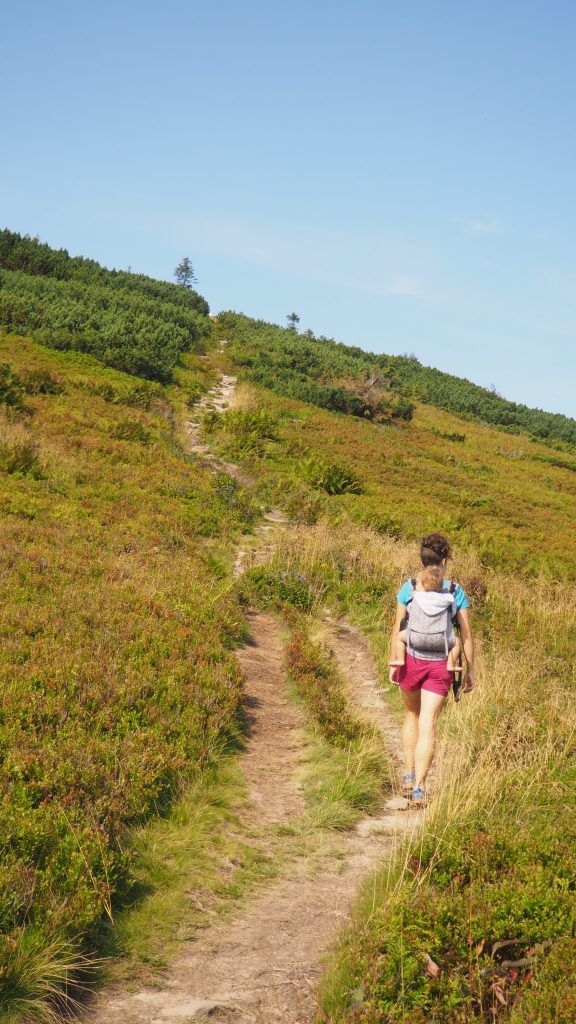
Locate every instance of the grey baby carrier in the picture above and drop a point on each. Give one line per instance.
(430, 632)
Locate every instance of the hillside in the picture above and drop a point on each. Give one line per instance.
(490, 871)
(122, 609)
(503, 495)
(339, 377)
(118, 683)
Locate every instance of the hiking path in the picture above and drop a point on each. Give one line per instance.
(262, 964)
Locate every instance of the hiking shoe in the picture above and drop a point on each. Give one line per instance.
(419, 797)
(408, 780)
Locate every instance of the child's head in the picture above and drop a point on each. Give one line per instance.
(432, 578)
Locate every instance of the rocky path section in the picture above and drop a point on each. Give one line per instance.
(217, 399)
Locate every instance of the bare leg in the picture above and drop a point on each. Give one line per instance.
(410, 727)
(431, 705)
(453, 664)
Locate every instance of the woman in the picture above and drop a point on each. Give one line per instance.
(425, 680)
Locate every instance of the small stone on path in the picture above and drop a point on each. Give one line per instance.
(398, 803)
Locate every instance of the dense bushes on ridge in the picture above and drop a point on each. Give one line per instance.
(320, 371)
(317, 371)
(128, 321)
(461, 396)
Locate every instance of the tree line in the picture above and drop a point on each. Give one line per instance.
(461, 396)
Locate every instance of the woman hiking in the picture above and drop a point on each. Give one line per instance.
(425, 679)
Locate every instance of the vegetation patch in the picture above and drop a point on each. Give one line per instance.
(244, 431)
(331, 477)
(11, 388)
(454, 435)
(131, 430)
(382, 388)
(117, 673)
(321, 688)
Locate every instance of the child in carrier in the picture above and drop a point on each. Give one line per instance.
(429, 626)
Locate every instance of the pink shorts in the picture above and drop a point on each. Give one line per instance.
(417, 674)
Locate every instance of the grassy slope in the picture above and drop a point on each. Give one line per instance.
(117, 671)
(119, 686)
(496, 860)
(494, 493)
(117, 677)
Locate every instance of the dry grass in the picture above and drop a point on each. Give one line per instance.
(504, 762)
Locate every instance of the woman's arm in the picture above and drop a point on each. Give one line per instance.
(400, 616)
(463, 619)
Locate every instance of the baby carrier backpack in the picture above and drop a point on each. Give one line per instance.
(439, 639)
(430, 632)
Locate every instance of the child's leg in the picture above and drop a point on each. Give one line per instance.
(399, 654)
(453, 664)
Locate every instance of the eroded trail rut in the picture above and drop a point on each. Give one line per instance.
(272, 727)
(264, 965)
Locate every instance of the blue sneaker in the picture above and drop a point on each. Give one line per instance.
(419, 797)
(408, 780)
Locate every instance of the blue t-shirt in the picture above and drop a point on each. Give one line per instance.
(460, 600)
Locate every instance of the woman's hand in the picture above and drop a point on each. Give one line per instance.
(468, 684)
(468, 645)
(392, 675)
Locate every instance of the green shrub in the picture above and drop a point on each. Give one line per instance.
(21, 459)
(131, 430)
(331, 477)
(274, 587)
(454, 436)
(11, 388)
(248, 432)
(41, 382)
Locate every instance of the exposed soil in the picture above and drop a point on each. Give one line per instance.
(273, 727)
(263, 966)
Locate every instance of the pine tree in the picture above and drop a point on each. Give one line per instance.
(184, 273)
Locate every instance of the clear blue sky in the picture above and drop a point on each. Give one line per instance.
(401, 174)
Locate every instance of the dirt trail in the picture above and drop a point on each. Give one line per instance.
(272, 727)
(263, 966)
